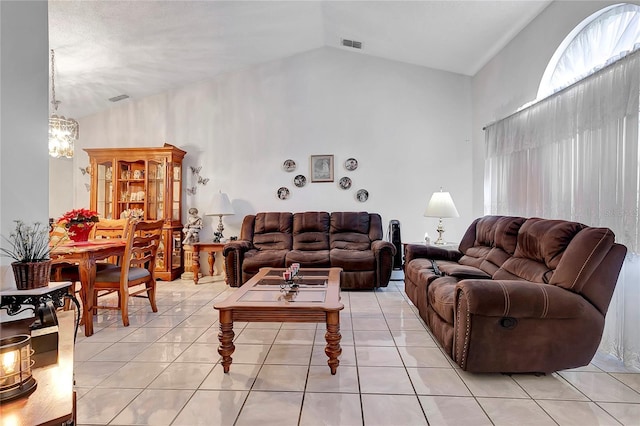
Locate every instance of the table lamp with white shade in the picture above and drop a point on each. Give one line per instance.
(220, 206)
(441, 206)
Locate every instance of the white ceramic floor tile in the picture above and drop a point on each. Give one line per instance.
(86, 350)
(111, 334)
(413, 338)
(415, 356)
(453, 411)
(385, 410)
(251, 336)
(320, 379)
(182, 334)
(134, 375)
(120, 352)
(239, 377)
(208, 407)
(100, 405)
(295, 337)
(627, 414)
(153, 407)
(144, 334)
(281, 378)
(551, 386)
(437, 381)
(601, 387)
(576, 413)
(201, 320)
(367, 323)
(383, 356)
(373, 338)
(507, 412)
(385, 380)
(182, 375)
(243, 354)
(631, 380)
(89, 374)
(492, 385)
(161, 352)
(328, 409)
(198, 352)
(406, 324)
(283, 409)
(289, 354)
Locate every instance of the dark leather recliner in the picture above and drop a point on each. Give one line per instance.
(519, 295)
(349, 240)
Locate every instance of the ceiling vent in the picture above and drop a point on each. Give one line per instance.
(351, 43)
(118, 98)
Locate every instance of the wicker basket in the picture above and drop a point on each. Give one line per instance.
(32, 274)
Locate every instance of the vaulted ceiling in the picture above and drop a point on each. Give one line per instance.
(140, 48)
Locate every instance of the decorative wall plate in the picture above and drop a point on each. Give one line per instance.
(345, 183)
(351, 164)
(283, 193)
(289, 165)
(362, 195)
(299, 181)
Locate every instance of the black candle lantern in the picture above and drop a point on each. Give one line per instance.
(16, 379)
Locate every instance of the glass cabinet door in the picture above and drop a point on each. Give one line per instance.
(155, 207)
(177, 191)
(176, 253)
(104, 192)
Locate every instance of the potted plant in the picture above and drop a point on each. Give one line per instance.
(78, 223)
(29, 247)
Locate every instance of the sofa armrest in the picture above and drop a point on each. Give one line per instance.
(383, 251)
(423, 251)
(519, 299)
(233, 253)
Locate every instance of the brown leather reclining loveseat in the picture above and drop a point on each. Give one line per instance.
(348, 240)
(519, 295)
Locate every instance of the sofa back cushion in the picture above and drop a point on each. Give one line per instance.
(490, 241)
(350, 231)
(311, 231)
(273, 231)
(541, 245)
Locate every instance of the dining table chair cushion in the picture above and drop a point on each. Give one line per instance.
(112, 275)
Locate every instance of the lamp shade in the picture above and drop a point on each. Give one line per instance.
(441, 205)
(220, 205)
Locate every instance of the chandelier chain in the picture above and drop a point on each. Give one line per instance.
(53, 81)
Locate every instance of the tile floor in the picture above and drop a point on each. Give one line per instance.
(163, 370)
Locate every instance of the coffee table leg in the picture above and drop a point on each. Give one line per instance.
(333, 349)
(225, 336)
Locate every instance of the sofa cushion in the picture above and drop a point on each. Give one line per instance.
(541, 244)
(309, 259)
(462, 271)
(273, 231)
(256, 259)
(441, 295)
(311, 231)
(353, 260)
(350, 231)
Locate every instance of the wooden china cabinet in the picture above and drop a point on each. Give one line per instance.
(144, 182)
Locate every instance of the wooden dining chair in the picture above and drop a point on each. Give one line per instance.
(136, 269)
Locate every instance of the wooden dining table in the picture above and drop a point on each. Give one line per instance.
(85, 254)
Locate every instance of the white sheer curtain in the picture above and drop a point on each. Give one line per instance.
(574, 156)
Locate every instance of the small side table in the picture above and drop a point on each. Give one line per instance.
(13, 300)
(194, 251)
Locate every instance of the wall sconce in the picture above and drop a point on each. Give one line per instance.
(440, 206)
(16, 379)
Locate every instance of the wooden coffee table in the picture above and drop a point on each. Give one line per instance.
(262, 299)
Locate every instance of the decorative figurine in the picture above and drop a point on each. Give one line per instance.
(192, 227)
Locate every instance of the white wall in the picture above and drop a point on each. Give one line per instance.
(24, 166)
(512, 77)
(408, 126)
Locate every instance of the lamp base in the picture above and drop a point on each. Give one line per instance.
(440, 241)
(23, 389)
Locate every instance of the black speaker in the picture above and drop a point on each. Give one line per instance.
(396, 240)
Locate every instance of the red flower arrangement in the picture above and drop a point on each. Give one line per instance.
(79, 223)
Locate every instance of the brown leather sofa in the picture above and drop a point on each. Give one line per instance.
(519, 295)
(348, 240)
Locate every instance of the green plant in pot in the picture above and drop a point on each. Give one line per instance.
(28, 246)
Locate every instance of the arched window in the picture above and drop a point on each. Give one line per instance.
(597, 41)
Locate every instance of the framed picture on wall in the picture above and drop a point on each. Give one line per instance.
(321, 168)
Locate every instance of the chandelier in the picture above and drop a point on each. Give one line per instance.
(63, 132)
